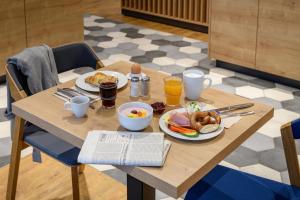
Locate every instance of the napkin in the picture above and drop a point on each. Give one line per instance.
(229, 121)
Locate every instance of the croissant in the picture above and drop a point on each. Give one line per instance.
(110, 79)
(95, 79)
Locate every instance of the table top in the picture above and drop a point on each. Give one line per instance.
(186, 163)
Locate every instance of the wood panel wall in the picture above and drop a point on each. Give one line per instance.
(278, 38)
(192, 11)
(12, 29)
(232, 31)
(25, 23)
(263, 35)
(53, 22)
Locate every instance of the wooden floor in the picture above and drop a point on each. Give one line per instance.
(112, 9)
(52, 180)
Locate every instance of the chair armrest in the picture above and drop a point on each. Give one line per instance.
(75, 55)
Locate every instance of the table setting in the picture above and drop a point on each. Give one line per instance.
(149, 103)
(192, 121)
(189, 121)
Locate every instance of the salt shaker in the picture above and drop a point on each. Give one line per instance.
(145, 86)
(134, 87)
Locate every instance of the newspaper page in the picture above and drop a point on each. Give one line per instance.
(124, 148)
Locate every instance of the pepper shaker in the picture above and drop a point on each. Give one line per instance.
(145, 86)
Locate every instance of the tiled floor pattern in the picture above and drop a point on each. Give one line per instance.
(262, 154)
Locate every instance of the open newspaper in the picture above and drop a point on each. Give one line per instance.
(124, 148)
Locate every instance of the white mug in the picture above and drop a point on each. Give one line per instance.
(194, 83)
(78, 105)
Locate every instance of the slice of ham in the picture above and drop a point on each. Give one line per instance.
(180, 119)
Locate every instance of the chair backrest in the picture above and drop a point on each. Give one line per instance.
(17, 83)
(75, 55)
(67, 57)
(290, 132)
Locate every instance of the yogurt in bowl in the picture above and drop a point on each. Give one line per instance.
(135, 116)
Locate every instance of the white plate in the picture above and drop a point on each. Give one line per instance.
(164, 127)
(80, 82)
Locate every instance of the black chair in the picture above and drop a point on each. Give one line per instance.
(67, 57)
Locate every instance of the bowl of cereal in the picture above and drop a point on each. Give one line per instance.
(135, 116)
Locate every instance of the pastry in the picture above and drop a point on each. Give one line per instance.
(95, 79)
(109, 79)
(200, 119)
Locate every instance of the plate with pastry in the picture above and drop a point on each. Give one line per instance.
(196, 126)
(90, 81)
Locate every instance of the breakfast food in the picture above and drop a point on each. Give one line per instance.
(199, 119)
(136, 69)
(109, 79)
(184, 131)
(209, 128)
(180, 119)
(193, 124)
(95, 79)
(214, 118)
(98, 77)
(158, 107)
(135, 112)
(193, 106)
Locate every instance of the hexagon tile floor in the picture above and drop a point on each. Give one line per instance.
(262, 154)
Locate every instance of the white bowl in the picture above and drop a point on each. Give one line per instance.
(135, 124)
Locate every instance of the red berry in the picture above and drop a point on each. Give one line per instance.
(134, 112)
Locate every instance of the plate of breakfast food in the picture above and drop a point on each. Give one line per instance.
(90, 81)
(185, 124)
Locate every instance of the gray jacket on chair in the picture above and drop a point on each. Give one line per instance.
(38, 65)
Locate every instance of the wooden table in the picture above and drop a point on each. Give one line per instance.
(187, 162)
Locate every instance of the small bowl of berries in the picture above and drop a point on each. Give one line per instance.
(158, 108)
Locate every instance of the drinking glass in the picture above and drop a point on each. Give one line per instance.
(108, 94)
(173, 90)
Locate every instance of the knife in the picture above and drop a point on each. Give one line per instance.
(232, 107)
(62, 96)
(75, 92)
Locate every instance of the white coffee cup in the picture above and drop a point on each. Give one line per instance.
(194, 83)
(78, 105)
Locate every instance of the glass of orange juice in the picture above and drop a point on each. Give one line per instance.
(173, 89)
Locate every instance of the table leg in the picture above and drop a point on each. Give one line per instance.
(17, 146)
(137, 190)
(75, 183)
